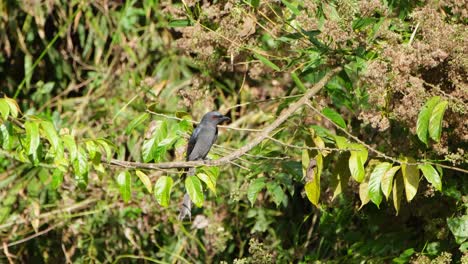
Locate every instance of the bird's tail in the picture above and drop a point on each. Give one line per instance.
(186, 206)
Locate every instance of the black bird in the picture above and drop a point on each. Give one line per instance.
(200, 142)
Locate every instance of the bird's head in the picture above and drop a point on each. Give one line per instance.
(214, 118)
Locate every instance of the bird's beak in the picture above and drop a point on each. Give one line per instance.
(224, 119)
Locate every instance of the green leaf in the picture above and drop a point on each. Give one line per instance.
(106, 145)
(410, 178)
(334, 116)
(124, 182)
(162, 190)
(32, 135)
(194, 190)
(397, 191)
(146, 150)
(92, 148)
(459, 228)
(435, 122)
(291, 7)
(298, 82)
(323, 133)
(276, 192)
(254, 188)
(4, 109)
(180, 23)
(51, 134)
(135, 122)
(404, 257)
(363, 22)
(387, 181)
(375, 180)
(6, 130)
(208, 180)
(431, 175)
(267, 62)
(423, 118)
(357, 161)
(145, 180)
(81, 168)
(57, 179)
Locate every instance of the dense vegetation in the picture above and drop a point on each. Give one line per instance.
(354, 113)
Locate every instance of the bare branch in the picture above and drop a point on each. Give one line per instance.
(264, 134)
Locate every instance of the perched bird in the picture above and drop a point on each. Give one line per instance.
(200, 142)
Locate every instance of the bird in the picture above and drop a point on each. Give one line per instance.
(199, 144)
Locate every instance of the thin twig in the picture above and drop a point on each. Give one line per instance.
(69, 209)
(306, 147)
(228, 149)
(413, 34)
(33, 236)
(265, 101)
(194, 122)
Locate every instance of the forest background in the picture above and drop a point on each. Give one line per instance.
(347, 143)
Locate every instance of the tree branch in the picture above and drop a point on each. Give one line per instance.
(264, 134)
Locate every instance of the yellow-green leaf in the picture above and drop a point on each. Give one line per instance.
(145, 180)
(357, 161)
(14, 108)
(431, 175)
(364, 193)
(194, 190)
(387, 181)
(162, 190)
(341, 142)
(312, 187)
(208, 180)
(435, 122)
(410, 178)
(124, 183)
(4, 109)
(423, 118)
(375, 192)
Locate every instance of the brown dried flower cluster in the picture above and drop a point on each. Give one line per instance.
(407, 74)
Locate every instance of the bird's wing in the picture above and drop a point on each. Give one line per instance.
(215, 137)
(192, 140)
